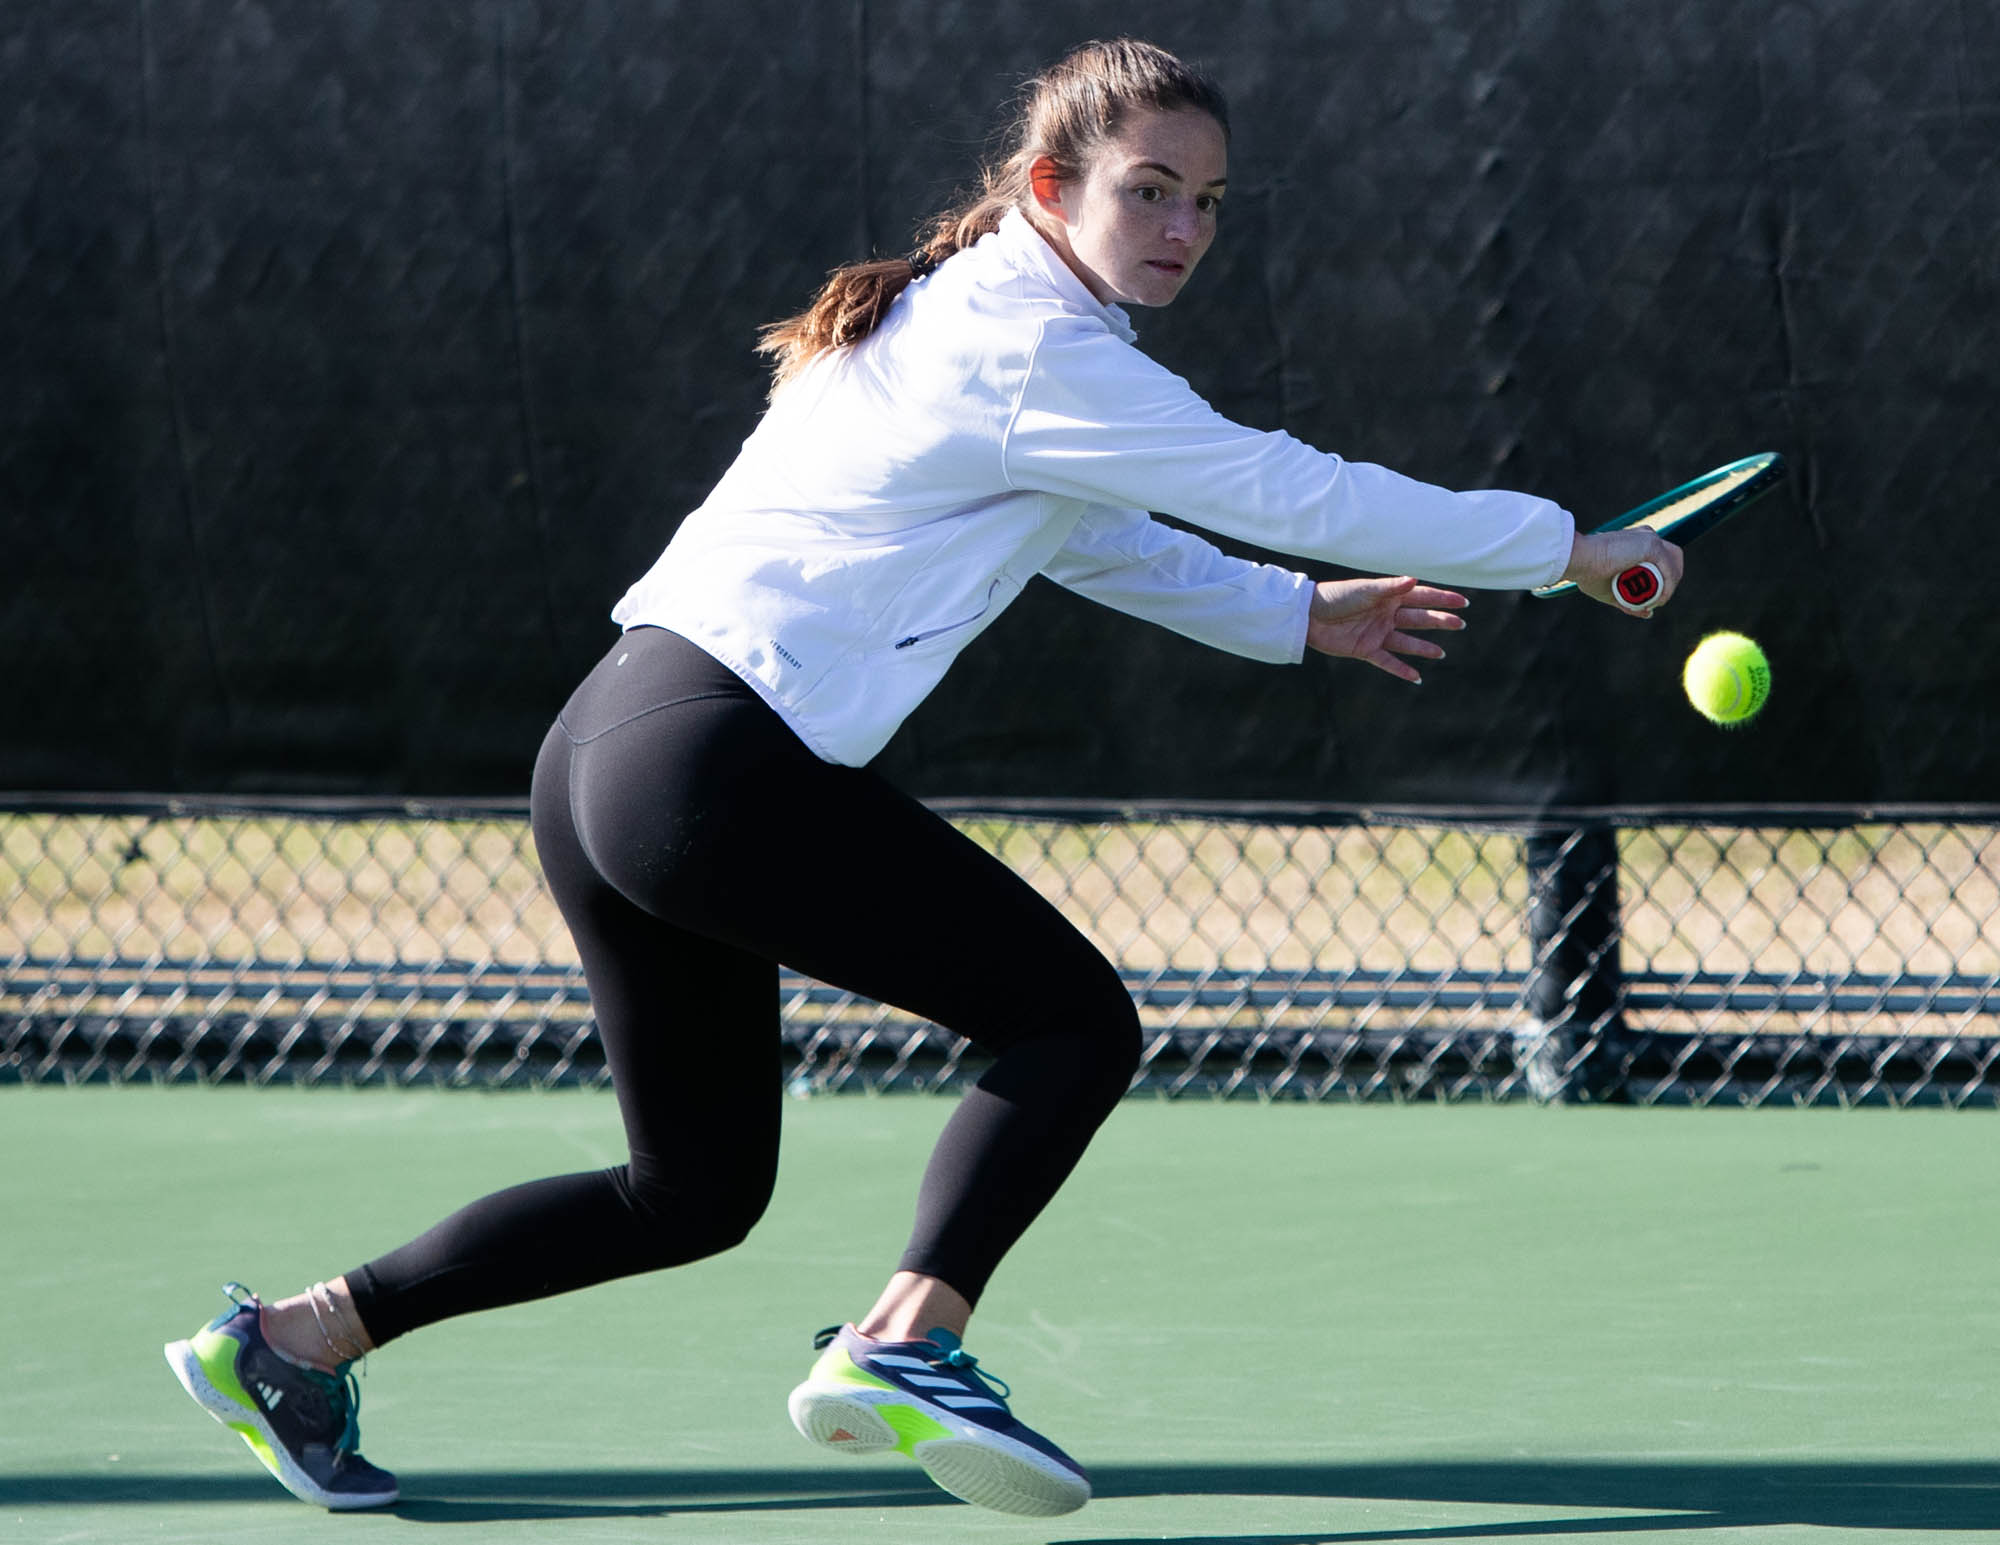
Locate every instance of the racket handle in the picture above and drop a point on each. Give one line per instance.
(1638, 588)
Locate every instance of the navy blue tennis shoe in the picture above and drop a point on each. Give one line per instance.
(302, 1424)
(928, 1399)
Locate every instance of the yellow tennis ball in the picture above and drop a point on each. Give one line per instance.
(1727, 678)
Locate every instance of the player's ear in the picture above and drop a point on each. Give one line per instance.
(1046, 181)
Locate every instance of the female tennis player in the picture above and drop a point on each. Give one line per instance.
(942, 429)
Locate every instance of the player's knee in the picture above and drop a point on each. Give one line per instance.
(686, 1222)
(722, 1231)
(1122, 1058)
(1122, 1036)
(1113, 1042)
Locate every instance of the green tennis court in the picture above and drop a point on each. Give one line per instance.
(1273, 1324)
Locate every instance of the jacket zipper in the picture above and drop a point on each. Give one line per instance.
(951, 627)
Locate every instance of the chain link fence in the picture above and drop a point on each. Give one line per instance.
(1313, 954)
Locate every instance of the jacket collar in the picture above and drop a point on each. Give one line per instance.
(1025, 250)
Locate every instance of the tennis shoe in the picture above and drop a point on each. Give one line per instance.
(927, 1399)
(301, 1423)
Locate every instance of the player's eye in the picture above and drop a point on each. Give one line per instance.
(1147, 193)
(1208, 203)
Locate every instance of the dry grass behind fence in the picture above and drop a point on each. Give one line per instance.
(1726, 931)
(1187, 895)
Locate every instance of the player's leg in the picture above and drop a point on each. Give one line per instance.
(564, 1232)
(689, 1027)
(931, 922)
(277, 1374)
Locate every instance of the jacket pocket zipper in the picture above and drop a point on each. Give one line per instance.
(951, 627)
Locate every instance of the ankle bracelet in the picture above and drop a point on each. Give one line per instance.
(346, 1354)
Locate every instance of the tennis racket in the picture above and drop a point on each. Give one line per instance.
(1682, 514)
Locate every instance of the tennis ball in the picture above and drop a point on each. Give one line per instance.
(1727, 678)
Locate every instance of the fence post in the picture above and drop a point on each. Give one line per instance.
(1574, 1002)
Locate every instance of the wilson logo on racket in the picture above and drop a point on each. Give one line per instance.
(1637, 586)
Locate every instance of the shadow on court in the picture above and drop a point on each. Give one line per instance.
(494, 1496)
(1670, 1496)
(1693, 1495)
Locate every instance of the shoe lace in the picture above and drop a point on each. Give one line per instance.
(344, 1391)
(350, 1432)
(960, 1361)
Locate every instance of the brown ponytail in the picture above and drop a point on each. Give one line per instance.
(1064, 113)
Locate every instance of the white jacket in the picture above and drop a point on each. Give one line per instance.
(998, 424)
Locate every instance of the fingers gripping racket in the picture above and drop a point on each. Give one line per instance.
(1684, 513)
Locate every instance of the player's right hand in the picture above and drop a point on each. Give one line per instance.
(1597, 558)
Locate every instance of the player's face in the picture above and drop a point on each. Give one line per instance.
(1140, 218)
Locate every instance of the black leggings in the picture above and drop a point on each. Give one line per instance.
(693, 844)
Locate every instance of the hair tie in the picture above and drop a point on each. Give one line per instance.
(921, 264)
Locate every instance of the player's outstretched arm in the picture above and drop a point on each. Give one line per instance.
(1598, 557)
(1376, 620)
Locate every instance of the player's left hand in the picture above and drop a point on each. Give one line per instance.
(1374, 620)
